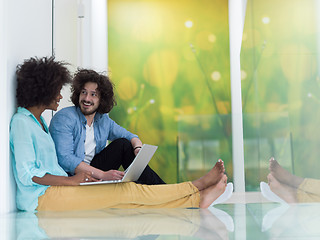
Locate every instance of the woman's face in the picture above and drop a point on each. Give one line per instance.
(55, 103)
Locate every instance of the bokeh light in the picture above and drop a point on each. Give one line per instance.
(127, 88)
(188, 24)
(265, 20)
(216, 76)
(212, 38)
(244, 75)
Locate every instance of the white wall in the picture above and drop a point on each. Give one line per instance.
(80, 37)
(26, 31)
(65, 42)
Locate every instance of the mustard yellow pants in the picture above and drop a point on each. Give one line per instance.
(123, 223)
(120, 195)
(309, 191)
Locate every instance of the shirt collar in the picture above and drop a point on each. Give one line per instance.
(83, 119)
(26, 112)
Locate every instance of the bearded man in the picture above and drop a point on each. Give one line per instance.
(81, 132)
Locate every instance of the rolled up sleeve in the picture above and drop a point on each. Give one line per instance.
(25, 154)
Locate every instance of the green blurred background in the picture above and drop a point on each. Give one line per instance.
(280, 87)
(169, 61)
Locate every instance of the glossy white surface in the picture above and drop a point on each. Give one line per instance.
(263, 220)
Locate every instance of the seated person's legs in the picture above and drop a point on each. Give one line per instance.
(292, 188)
(199, 193)
(286, 192)
(120, 153)
(283, 175)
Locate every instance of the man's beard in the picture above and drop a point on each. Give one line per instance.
(85, 112)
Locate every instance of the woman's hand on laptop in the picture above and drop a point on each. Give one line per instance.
(113, 175)
(82, 177)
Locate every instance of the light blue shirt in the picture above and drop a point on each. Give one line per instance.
(68, 130)
(27, 227)
(33, 154)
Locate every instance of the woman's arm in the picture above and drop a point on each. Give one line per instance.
(99, 174)
(75, 180)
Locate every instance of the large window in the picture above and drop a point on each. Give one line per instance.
(169, 61)
(170, 64)
(280, 87)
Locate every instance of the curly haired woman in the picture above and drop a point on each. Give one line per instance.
(43, 185)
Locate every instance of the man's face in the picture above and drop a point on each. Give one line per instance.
(89, 98)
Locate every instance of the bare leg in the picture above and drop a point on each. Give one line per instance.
(287, 193)
(212, 177)
(283, 175)
(210, 194)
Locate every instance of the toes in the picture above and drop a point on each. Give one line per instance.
(272, 162)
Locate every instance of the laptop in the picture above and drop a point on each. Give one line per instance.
(133, 172)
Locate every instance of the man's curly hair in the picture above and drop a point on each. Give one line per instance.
(105, 88)
(39, 81)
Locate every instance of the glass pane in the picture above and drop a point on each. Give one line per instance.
(280, 91)
(169, 61)
(197, 146)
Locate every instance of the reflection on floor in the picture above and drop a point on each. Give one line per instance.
(233, 220)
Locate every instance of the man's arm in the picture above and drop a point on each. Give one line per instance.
(62, 128)
(116, 131)
(136, 144)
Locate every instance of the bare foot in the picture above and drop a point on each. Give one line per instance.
(283, 175)
(212, 177)
(210, 194)
(287, 193)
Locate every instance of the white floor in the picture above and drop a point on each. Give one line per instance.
(244, 216)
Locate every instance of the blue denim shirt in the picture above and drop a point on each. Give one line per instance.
(68, 130)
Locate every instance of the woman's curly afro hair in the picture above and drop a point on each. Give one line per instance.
(39, 81)
(105, 88)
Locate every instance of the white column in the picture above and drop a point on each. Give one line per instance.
(236, 22)
(92, 34)
(84, 56)
(99, 35)
(317, 10)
